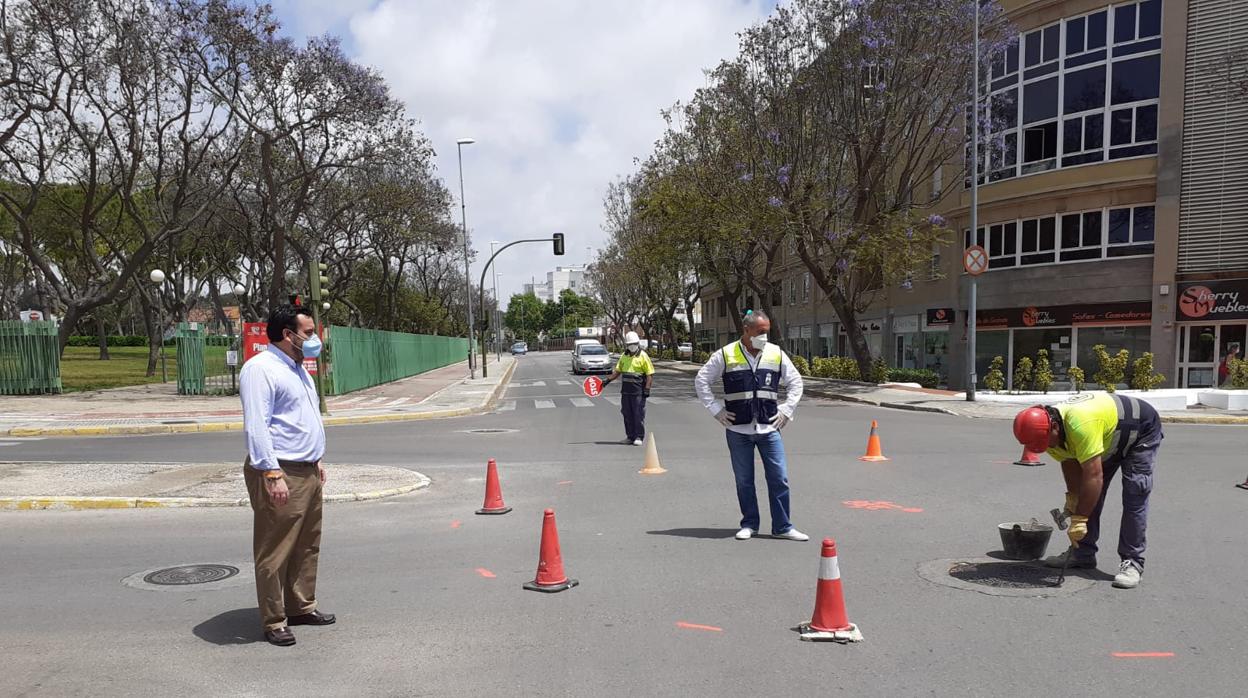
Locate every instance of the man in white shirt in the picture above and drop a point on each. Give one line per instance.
(753, 371)
(285, 443)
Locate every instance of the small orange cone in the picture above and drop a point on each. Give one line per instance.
(652, 465)
(493, 492)
(829, 622)
(550, 576)
(1029, 457)
(874, 452)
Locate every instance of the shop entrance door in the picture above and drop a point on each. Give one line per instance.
(1198, 356)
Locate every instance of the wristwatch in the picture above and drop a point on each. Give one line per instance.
(274, 474)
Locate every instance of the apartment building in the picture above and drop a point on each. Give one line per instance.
(1112, 205)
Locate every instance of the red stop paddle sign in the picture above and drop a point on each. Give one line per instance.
(593, 386)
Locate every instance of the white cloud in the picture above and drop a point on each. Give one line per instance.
(561, 96)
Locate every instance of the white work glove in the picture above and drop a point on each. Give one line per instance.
(780, 421)
(725, 417)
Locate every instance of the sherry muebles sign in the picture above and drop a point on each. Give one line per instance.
(1213, 300)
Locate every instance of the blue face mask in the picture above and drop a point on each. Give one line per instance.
(311, 347)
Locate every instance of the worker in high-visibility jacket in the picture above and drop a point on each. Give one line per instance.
(753, 371)
(637, 372)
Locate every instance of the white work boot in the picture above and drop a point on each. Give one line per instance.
(793, 534)
(1128, 576)
(1059, 561)
(745, 534)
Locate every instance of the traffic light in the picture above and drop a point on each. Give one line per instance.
(319, 280)
(559, 243)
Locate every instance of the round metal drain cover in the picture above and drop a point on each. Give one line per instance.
(995, 577)
(490, 431)
(1004, 575)
(190, 574)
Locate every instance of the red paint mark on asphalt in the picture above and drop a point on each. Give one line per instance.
(1142, 655)
(485, 573)
(564, 482)
(455, 524)
(879, 506)
(695, 626)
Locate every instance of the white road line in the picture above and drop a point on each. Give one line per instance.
(582, 402)
(658, 400)
(377, 400)
(563, 383)
(507, 406)
(537, 384)
(345, 401)
(613, 399)
(543, 404)
(399, 401)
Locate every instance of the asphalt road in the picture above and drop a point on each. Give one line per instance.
(430, 602)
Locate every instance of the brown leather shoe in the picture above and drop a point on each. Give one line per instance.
(282, 637)
(313, 618)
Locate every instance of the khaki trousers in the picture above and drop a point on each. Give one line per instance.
(286, 543)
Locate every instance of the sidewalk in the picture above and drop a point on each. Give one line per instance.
(158, 409)
(954, 403)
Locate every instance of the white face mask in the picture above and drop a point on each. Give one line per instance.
(759, 341)
(634, 348)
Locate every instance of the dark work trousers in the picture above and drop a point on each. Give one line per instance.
(1136, 465)
(633, 407)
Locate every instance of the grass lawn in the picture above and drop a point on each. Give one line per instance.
(81, 368)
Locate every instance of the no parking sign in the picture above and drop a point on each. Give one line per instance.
(593, 386)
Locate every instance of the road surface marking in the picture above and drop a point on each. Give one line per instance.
(377, 400)
(564, 482)
(613, 399)
(658, 400)
(485, 573)
(879, 506)
(582, 402)
(507, 406)
(400, 401)
(456, 524)
(1142, 655)
(563, 383)
(347, 401)
(543, 404)
(695, 626)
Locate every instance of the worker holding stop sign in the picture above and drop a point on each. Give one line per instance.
(637, 372)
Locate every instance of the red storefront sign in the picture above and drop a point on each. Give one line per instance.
(1138, 313)
(256, 341)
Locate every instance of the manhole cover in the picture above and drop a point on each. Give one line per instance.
(190, 574)
(489, 431)
(994, 577)
(1004, 575)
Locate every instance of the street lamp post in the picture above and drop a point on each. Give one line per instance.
(498, 325)
(239, 290)
(463, 218)
(972, 310)
(158, 277)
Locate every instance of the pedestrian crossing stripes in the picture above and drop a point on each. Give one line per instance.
(564, 402)
(563, 382)
(543, 404)
(582, 402)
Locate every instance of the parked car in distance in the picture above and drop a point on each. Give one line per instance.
(684, 349)
(519, 349)
(591, 358)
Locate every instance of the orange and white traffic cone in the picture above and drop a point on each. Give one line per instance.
(493, 492)
(652, 465)
(550, 576)
(874, 452)
(1029, 457)
(829, 622)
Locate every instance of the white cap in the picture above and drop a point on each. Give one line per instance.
(632, 338)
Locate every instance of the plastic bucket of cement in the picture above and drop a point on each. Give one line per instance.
(1024, 540)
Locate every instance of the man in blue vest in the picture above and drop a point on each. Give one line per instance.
(753, 371)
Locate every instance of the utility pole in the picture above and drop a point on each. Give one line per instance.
(970, 319)
(463, 219)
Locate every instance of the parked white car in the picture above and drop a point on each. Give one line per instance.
(684, 349)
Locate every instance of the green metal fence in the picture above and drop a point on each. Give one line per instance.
(361, 358)
(30, 358)
(204, 366)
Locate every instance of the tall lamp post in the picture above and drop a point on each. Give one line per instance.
(158, 277)
(463, 218)
(498, 325)
(238, 290)
(972, 310)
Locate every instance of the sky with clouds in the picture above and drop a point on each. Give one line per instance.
(561, 96)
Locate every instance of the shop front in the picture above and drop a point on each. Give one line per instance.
(907, 342)
(1067, 332)
(1212, 318)
(936, 326)
(872, 332)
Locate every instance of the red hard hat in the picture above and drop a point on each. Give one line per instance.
(1031, 428)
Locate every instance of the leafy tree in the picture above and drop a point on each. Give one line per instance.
(995, 380)
(1023, 374)
(1075, 374)
(1042, 378)
(1143, 376)
(1112, 368)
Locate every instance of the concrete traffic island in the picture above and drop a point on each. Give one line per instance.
(74, 486)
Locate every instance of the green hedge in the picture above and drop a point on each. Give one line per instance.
(922, 376)
(113, 341)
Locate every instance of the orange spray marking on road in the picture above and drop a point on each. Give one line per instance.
(695, 626)
(880, 506)
(1142, 655)
(455, 524)
(564, 482)
(485, 573)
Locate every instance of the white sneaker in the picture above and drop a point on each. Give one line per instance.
(793, 534)
(745, 534)
(1128, 576)
(636, 442)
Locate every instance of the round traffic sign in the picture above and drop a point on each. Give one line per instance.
(593, 386)
(975, 261)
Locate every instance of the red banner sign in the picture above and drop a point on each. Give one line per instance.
(256, 341)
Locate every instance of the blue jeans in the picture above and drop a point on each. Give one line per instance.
(1137, 484)
(633, 407)
(771, 448)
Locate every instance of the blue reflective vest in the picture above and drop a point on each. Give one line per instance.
(752, 395)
